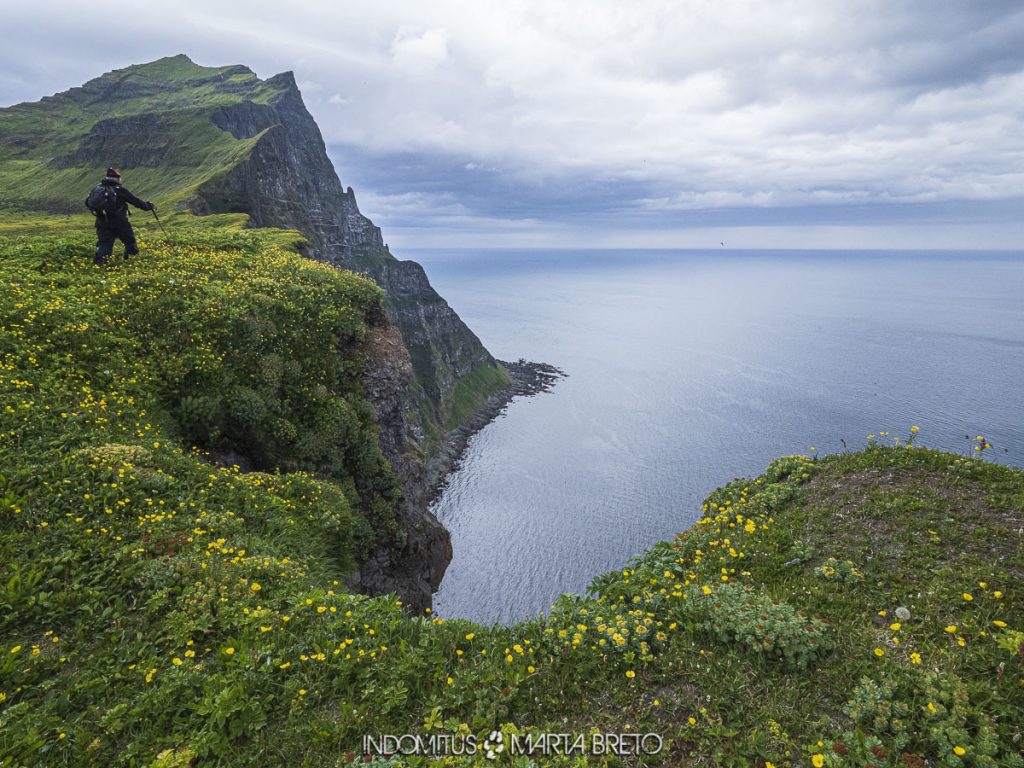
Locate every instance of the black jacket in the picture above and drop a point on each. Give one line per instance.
(124, 197)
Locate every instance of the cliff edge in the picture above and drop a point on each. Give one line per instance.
(219, 140)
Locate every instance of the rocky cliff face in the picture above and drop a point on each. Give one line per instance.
(287, 180)
(220, 140)
(414, 569)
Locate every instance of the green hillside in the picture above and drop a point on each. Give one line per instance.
(154, 119)
(158, 608)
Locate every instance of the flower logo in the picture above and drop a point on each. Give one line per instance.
(494, 744)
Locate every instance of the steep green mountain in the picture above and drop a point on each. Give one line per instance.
(218, 140)
(155, 120)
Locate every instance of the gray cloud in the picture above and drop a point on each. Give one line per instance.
(655, 115)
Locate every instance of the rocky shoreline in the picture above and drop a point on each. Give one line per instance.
(527, 379)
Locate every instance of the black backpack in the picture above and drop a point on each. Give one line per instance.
(102, 201)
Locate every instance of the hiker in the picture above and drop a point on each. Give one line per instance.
(109, 202)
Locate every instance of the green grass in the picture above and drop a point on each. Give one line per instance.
(230, 229)
(157, 609)
(472, 390)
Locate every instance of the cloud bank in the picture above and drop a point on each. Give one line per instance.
(602, 121)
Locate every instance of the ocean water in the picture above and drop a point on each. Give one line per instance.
(689, 368)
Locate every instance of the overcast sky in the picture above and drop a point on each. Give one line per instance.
(685, 123)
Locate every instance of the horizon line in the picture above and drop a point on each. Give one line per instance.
(707, 248)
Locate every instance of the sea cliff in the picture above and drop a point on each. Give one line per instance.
(209, 141)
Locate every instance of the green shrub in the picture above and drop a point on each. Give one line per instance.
(738, 615)
(925, 713)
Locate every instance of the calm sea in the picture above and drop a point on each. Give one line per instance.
(689, 368)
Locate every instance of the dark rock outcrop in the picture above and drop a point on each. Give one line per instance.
(115, 137)
(415, 568)
(287, 180)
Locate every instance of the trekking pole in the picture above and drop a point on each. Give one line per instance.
(158, 221)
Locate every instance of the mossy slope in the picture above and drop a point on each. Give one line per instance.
(157, 610)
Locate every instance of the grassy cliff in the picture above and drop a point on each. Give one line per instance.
(219, 140)
(159, 609)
